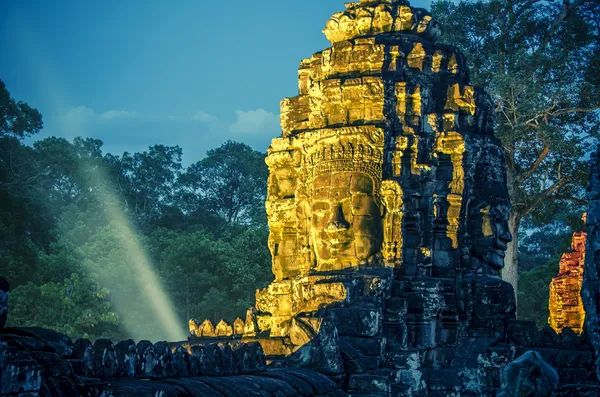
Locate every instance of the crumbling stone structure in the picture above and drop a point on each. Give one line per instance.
(565, 303)
(38, 362)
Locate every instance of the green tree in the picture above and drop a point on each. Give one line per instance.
(539, 61)
(24, 224)
(534, 292)
(17, 119)
(78, 307)
(145, 180)
(231, 181)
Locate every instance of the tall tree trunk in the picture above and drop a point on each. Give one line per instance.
(510, 273)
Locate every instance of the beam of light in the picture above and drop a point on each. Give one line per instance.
(159, 318)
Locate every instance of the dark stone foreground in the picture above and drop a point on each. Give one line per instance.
(40, 362)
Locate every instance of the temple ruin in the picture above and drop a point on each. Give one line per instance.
(387, 207)
(565, 303)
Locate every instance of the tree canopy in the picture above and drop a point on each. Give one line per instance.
(540, 63)
(68, 212)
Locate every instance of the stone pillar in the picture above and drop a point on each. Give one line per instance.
(565, 305)
(4, 289)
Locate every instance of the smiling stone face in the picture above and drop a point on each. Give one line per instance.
(490, 235)
(346, 224)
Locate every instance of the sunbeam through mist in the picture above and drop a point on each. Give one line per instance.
(137, 294)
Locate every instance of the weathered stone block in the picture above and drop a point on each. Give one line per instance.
(357, 321)
(126, 352)
(529, 375)
(20, 376)
(105, 359)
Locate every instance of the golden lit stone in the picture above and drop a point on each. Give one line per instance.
(238, 326)
(364, 21)
(405, 20)
(461, 98)
(453, 65)
(335, 201)
(193, 327)
(565, 304)
(382, 19)
(424, 24)
(416, 57)
(453, 144)
(437, 61)
(223, 329)
(206, 329)
(391, 193)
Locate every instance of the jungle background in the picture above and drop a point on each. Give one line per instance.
(67, 208)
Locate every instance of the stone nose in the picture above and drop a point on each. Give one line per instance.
(337, 221)
(505, 234)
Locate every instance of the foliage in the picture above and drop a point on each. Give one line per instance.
(230, 180)
(77, 307)
(76, 223)
(17, 119)
(534, 292)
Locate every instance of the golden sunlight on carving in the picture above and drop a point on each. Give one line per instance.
(453, 144)
(437, 61)
(487, 222)
(565, 304)
(335, 204)
(405, 20)
(453, 64)
(391, 193)
(363, 18)
(416, 57)
(223, 329)
(461, 98)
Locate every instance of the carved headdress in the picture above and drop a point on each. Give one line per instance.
(349, 150)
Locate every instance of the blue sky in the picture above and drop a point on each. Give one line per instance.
(133, 73)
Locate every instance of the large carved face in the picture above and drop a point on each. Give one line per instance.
(490, 234)
(346, 225)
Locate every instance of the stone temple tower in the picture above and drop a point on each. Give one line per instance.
(387, 165)
(387, 207)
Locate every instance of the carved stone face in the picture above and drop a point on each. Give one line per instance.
(490, 234)
(346, 225)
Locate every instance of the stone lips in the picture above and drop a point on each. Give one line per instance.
(414, 172)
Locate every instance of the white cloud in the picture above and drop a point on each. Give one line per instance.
(203, 117)
(114, 114)
(255, 121)
(78, 115)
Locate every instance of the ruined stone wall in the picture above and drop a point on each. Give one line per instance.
(35, 361)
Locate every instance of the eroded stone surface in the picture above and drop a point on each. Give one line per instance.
(528, 376)
(565, 303)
